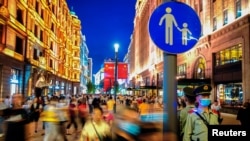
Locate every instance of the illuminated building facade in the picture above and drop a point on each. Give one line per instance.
(221, 57)
(39, 35)
(85, 68)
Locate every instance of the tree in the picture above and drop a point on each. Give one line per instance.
(90, 87)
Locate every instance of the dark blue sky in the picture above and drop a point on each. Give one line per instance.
(105, 22)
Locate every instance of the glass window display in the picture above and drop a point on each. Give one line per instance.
(230, 94)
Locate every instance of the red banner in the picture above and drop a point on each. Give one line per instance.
(109, 70)
(122, 70)
(108, 83)
(109, 73)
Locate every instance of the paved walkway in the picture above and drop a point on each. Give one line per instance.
(228, 119)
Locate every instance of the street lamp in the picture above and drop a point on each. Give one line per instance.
(116, 83)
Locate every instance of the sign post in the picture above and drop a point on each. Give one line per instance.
(175, 28)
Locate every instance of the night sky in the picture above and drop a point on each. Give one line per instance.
(104, 23)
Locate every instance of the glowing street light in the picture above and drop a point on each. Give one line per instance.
(116, 45)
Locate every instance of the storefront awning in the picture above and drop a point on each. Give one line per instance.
(185, 81)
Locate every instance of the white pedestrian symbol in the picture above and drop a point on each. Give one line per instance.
(185, 32)
(169, 21)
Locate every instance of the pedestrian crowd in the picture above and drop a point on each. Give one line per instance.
(84, 117)
(94, 118)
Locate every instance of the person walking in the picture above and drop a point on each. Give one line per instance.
(72, 115)
(215, 107)
(110, 104)
(82, 112)
(35, 110)
(54, 119)
(189, 98)
(17, 119)
(196, 127)
(90, 101)
(2, 108)
(144, 110)
(243, 115)
(96, 129)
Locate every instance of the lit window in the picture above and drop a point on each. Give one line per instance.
(229, 55)
(225, 16)
(238, 8)
(214, 23)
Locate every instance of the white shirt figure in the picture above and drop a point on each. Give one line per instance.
(169, 21)
(185, 32)
(41, 81)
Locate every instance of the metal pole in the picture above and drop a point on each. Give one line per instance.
(115, 88)
(170, 125)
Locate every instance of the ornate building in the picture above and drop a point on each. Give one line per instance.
(85, 65)
(221, 57)
(39, 35)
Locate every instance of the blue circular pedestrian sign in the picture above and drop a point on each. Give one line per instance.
(174, 27)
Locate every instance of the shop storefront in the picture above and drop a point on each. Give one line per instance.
(230, 94)
(228, 75)
(14, 81)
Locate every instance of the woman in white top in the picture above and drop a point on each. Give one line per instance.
(40, 83)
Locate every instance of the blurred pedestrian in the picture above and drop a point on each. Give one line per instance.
(82, 112)
(110, 104)
(96, 129)
(35, 110)
(134, 104)
(2, 108)
(16, 121)
(90, 101)
(7, 101)
(198, 120)
(216, 108)
(107, 115)
(54, 119)
(126, 125)
(96, 101)
(72, 114)
(144, 110)
(243, 115)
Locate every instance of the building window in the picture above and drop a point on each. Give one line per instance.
(214, 23)
(200, 67)
(52, 27)
(225, 17)
(19, 45)
(201, 5)
(238, 8)
(182, 70)
(41, 35)
(36, 31)
(14, 81)
(35, 54)
(1, 33)
(51, 63)
(19, 15)
(42, 14)
(51, 46)
(230, 93)
(1, 3)
(37, 6)
(229, 55)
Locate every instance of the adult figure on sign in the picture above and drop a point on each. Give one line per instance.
(169, 21)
